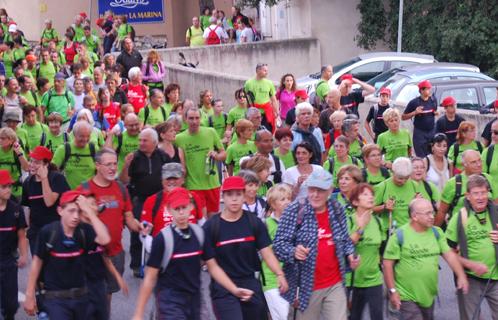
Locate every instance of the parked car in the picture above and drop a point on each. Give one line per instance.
(404, 87)
(379, 80)
(366, 66)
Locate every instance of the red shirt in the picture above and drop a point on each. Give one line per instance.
(113, 214)
(327, 271)
(137, 95)
(70, 53)
(328, 141)
(163, 218)
(111, 113)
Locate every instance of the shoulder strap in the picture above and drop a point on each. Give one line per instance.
(199, 233)
(458, 193)
(215, 229)
(168, 247)
(427, 188)
(123, 190)
(331, 165)
(463, 216)
(52, 236)
(225, 116)
(163, 112)
(354, 160)
(210, 121)
(400, 236)
(157, 204)
(384, 172)
(489, 157)
(364, 173)
(479, 146)
(120, 144)
(428, 163)
(67, 155)
(436, 233)
(253, 222)
(91, 145)
(43, 139)
(277, 176)
(66, 94)
(146, 114)
(65, 137)
(456, 151)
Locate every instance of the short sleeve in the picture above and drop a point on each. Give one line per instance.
(209, 251)
(58, 156)
(229, 159)
(21, 220)
(448, 193)
(451, 229)
(90, 235)
(41, 243)
(288, 177)
(141, 115)
(410, 107)
(443, 242)
(147, 209)
(370, 114)
(451, 153)
(379, 193)
(156, 252)
(272, 88)
(217, 141)
(392, 251)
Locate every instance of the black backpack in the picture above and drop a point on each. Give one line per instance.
(489, 157)
(383, 171)
(428, 189)
(147, 112)
(211, 122)
(456, 149)
(332, 163)
(67, 154)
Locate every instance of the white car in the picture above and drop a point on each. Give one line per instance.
(366, 66)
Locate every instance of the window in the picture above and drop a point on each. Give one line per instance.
(367, 71)
(490, 94)
(397, 64)
(466, 97)
(406, 94)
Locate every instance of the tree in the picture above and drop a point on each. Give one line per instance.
(206, 4)
(451, 30)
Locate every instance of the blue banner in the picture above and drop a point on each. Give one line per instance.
(137, 11)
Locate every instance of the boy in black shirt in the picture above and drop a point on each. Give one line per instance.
(376, 115)
(450, 121)
(60, 251)
(174, 265)
(12, 239)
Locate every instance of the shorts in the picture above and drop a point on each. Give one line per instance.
(118, 262)
(211, 197)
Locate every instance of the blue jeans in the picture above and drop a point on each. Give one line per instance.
(178, 305)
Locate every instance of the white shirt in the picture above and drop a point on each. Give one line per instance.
(291, 175)
(247, 35)
(273, 169)
(219, 31)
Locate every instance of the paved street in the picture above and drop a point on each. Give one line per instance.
(122, 307)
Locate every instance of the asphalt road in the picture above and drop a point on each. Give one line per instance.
(123, 307)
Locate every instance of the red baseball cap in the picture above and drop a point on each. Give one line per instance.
(424, 84)
(5, 178)
(99, 21)
(41, 153)
(233, 183)
(178, 197)
(448, 101)
(346, 76)
(301, 94)
(83, 15)
(385, 91)
(31, 58)
(71, 196)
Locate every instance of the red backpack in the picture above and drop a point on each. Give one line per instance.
(213, 37)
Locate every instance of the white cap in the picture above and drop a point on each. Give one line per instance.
(13, 28)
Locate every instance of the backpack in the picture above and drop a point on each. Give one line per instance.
(489, 157)
(374, 119)
(213, 37)
(383, 171)
(190, 31)
(401, 237)
(51, 93)
(67, 154)
(332, 163)
(314, 98)
(211, 122)
(79, 235)
(159, 199)
(277, 175)
(458, 193)
(120, 144)
(462, 222)
(147, 112)
(169, 243)
(428, 189)
(456, 149)
(43, 138)
(429, 163)
(17, 164)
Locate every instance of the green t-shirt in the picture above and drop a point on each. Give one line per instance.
(80, 166)
(53, 142)
(262, 89)
(287, 159)
(129, 144)
(47, 71)
(195, 35)
(34, 133)
(58, 103)
(436, 196)
(123, 31)
(218, 123)
(354, 149)
(374, 179)
(237, 151)
(338, 165)
(271, 281)
(205, 113)
(395, 145)
(235, 114)
(8, 61)
(204, 21)
(22, 136)
(348, 208)
(479, 245)
(322, 89)
(92, 58)
(92, 42)
(449, 192)
(461, 149)
(79, 32)
(8, 162)
(155, 117)
(368, 273)
(416, 270)
(31, 98)
(168, 107)
(96, 137)
(196, 147)
(402, 196)
(49, 35)
(263, 189)
(492, 169)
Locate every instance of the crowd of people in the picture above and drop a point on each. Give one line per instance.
(279, 207)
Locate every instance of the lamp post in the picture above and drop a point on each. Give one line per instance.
(400, 25)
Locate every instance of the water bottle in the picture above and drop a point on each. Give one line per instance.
(207, 166)
(43, 316)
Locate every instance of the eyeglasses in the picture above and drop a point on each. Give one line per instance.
(495, 132)
(428, 213)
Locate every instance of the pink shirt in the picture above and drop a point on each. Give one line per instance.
(287, 102)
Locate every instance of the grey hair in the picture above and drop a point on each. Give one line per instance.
(98, 69)
(466, 154)
(347, 124)
(193, 108)
(212, 20)
(175, 120)
(80, 125)
(414, 203)
(99, 154)
(249, 176)
(259, 133)
(324, 68)
(251, 111)
(303, 106)
(477, 181)
(152, 133)
(134, 72)
(402, 167)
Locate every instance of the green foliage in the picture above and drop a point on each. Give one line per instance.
(373, 23)
(451, 30)
(255, 3)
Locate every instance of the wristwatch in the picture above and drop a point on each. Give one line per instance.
(393, 290)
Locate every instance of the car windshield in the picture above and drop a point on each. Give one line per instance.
(345, 64)
(394, 83)
(379, 80)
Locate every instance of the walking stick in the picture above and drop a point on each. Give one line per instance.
(295, 304)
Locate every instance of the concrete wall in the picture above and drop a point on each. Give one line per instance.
(193, 81)
(296, 56)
